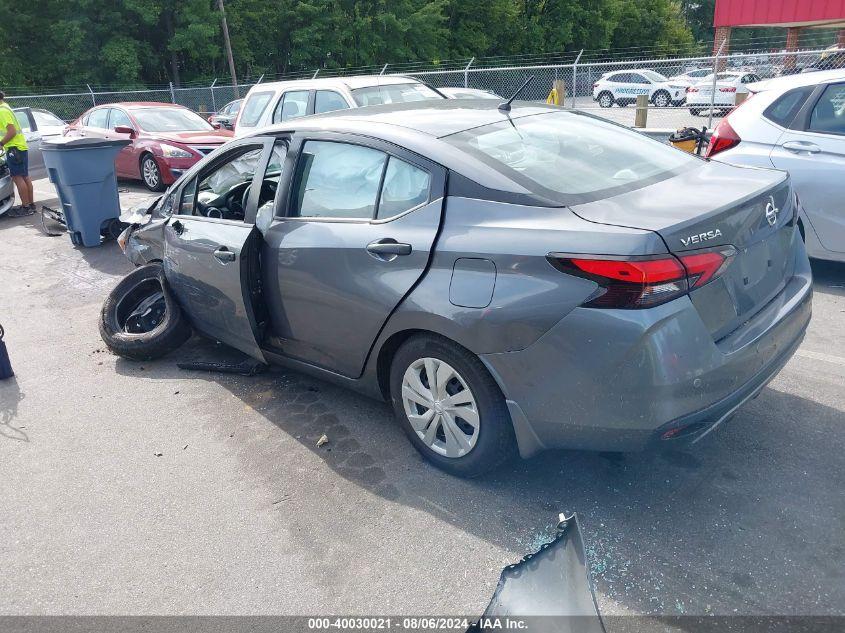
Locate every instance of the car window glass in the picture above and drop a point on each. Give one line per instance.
(566, 153)
(337, 180)
(783, 110)
(638, 79)
(23, 121)
(273, 174)
(292, 105)
(405, 187)
(393, 93)
(618, 78)
(328, 101)
(119, 118)
(46, 119)
(222, 192)
(829, 113)
(99, 118)
(254, 108)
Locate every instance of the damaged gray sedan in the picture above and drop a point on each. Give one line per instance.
(511, 280)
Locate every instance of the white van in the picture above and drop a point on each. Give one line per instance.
(274, 102)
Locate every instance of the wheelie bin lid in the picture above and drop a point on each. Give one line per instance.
(65, 143)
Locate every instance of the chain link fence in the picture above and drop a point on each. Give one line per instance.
(695, 96)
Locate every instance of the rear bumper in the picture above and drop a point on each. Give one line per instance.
(619, 380)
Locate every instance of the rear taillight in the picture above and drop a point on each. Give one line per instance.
(727, 89)
(723, 137)
(643, 282)
(692, 89)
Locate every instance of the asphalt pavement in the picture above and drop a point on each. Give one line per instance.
(139, 488)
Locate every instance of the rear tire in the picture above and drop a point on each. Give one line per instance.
(694, 111)
(488, 439)
(135, 323)
(605, 99)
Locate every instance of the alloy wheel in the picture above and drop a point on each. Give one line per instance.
(150, 173)
(605, 101)
(440, 407)
(661, 100)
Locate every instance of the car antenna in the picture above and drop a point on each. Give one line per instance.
(506, 105)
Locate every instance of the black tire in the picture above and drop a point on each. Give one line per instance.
(605, 99)
(694, 111)
(495, 444)
(665, 98)
(171, 331)
(152, 179)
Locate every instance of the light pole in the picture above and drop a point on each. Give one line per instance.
(228, 44)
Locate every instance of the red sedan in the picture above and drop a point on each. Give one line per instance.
(166, 139)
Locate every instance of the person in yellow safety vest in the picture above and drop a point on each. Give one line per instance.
(13, 142)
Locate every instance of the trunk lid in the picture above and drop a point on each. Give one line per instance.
(717, 205)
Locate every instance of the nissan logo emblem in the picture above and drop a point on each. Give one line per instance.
(771, 212)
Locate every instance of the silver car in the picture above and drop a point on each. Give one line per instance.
(797, 123)
(512, 281)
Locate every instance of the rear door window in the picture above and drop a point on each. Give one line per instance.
(337, 180)
(828, 116)
(783, 110)
(254, 108)
(328, 101)
(405, 187)
(292, 105)
(99, 118)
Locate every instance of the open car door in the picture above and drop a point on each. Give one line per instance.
(212, 246)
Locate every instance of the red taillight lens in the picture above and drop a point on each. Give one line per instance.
(631, 283)
(691, 89)
(728, 89)
(705, 266)
(724, 137)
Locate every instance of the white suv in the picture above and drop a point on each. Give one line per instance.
(622, 88)
(279, 101)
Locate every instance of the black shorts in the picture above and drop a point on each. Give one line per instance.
(18, 161)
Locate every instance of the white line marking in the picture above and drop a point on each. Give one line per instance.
(836, 360)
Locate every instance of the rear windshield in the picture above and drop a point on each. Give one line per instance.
(393, 93)
(572, 154)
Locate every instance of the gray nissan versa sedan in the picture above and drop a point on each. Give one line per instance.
(510, 281)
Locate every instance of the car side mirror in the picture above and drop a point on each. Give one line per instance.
(125, 129)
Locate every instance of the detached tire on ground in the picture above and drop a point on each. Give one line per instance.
(140, 319)
(450, 407)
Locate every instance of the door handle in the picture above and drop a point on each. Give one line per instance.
(798, 147)
(224, 255)
(178, 227)
(388, 246)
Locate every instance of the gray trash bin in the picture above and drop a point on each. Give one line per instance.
(82, 169)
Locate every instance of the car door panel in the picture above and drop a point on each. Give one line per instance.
(206, 264)
(816, 161)
(211, 264)
(329, 296)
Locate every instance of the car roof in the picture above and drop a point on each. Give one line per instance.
(799, 80)
(433, 118)
(352, 82)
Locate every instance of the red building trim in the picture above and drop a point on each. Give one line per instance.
(779, 13)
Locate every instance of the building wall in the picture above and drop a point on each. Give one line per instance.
(776, 12)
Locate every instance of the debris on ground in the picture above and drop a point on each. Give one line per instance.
(323, 440)
(245, 368)
(157, 454)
